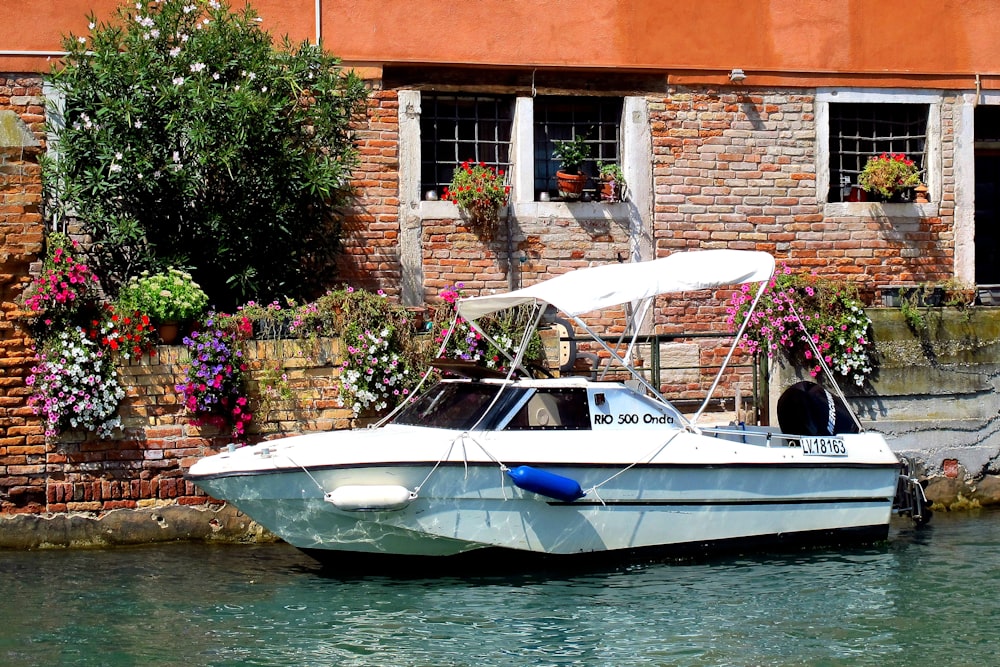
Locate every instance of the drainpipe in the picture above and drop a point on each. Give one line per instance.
(319, 21)
(49, 54)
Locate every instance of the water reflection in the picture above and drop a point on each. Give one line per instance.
(922, 598)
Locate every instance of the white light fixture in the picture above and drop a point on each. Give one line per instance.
(736, 75)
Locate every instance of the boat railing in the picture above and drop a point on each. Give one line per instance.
(765, 436)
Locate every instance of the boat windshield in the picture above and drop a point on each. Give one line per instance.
(456, 405)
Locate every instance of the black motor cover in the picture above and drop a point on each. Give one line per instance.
(806, 408)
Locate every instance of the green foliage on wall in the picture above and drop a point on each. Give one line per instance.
(188, 139)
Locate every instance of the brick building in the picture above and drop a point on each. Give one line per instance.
(739, 124)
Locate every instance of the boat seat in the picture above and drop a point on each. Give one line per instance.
(543, 410)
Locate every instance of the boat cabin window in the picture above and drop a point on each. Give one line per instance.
(553, 409)
(457, 405)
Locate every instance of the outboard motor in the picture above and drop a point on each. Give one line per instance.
(806, 408)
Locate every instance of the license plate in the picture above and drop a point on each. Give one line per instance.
(823, 446)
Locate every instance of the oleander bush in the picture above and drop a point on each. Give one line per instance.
(185, 137)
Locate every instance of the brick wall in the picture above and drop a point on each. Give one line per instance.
(738, 170)
(371, 229)
(22, 446)
(143, 464)
(542, 247)
(730, 169)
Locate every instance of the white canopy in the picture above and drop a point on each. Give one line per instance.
(594, 288)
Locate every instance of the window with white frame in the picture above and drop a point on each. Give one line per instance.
(560, 118)
(456, 128)
(853, 124)
(860, 130)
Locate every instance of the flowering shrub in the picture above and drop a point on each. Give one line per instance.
(376, 340)
(126, 335)
(373, 376)
(465, 343)
(888, 173)
(66, 286)
(168, 296)
(264, 322)
(479, 189)
(194, 136)
(831, 312)
(74, 384)
(506, 328)
(213, 386)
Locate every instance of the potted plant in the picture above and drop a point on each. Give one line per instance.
(889, 175)
(613, 186)
(571, 155)
(480, 191)
(168, 298)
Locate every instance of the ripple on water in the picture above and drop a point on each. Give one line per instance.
(923, 598)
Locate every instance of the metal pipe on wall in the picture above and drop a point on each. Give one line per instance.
(319, 21)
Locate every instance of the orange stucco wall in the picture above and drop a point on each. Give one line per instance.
(932, 42)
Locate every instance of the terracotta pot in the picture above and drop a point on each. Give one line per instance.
(570, 185)
(168, 332)
(611, 190)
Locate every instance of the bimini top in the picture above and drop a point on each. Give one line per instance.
(598, 287)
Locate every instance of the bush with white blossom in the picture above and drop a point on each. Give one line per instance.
(190, 136)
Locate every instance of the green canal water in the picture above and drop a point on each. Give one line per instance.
(926, 598)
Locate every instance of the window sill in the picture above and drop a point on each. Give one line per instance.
(587, 210)
(871, 209)
(592, 210)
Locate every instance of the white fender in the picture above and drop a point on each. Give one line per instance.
(373, 498)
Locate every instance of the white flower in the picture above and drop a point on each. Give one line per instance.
(137, 124)
(82, 40)
(179, 81)
(197, 67)
(154, 33)
(174, 52)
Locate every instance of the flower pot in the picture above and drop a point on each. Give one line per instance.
(611, 191)
(570, 185)
(168, 332)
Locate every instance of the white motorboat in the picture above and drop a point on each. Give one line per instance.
(568, 465)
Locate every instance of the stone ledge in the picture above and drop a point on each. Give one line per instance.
(163, 523)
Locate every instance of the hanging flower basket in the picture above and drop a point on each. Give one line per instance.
(889, 174)
(480, 192)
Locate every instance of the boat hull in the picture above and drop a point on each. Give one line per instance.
(472, 506)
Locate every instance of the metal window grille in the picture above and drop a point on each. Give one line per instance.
(456, 128)
(561, 118)
(859, 131)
